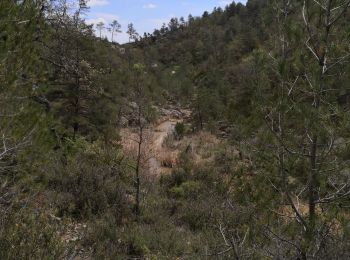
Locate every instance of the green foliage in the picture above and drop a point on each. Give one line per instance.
(89, 183)
(190, 189)
(158, 241)
(139, 67)
(26, 234)
(246, 72)
(177, 177)
(179, 130)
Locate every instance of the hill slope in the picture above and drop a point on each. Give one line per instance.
(222, 136)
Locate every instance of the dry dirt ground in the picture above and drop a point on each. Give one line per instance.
(160, 151)
(154, 152)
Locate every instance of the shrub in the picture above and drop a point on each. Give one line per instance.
(187, 190)
(88, 184)
(28, 234)
(179, 130)
(169, 141)
(169, 160)
(84, 189)
(176, 178)
(196, 215)
(141, 241)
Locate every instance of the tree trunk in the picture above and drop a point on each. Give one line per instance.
(138, 164)
(313, 187)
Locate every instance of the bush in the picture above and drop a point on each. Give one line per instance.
(83, 189)
(28, 234)
(176, 178)
(88, 184)
(169, 141)
(179, 130)
(187, 190)
(141, 241)
(169, 160)
(196, 215)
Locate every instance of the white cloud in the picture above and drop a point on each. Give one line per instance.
(97, 3)
(96, 21)
(150, 6)
(107, 18)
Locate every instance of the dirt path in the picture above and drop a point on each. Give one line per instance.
(162, 131)
(155, 151)
(159, 151)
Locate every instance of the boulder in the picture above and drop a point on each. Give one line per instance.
(123, 121)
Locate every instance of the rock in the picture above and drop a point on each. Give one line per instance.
(123, 121)
(176, 114)
(133, 105)
(54, 217)
(224, 128)
(143, 121)
(173, 113)
(122, 50)
(164, 112)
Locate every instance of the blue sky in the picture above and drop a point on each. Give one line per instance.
(147, 15)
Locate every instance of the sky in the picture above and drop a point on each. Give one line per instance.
(146, 15)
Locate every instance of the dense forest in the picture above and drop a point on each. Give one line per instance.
(224, 136)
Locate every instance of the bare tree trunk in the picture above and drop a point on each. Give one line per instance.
(138, 164)
(200, 117)
(77, 90)
(313, 187)
(141, 125)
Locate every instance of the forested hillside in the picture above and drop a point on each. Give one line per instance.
(224, 136)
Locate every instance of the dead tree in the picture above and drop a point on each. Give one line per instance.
(140, 98)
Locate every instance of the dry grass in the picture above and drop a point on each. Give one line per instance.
(165, 149)
(203, 146)
(169, 160)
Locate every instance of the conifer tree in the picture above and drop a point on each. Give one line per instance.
(133, 35)
(306, 123)
(115, 28)
(100, 27)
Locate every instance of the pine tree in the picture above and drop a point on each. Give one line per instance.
(133, 35)
(300, 105)
(100, 27)
(115, 28)
(21, 74)
(72, 89)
